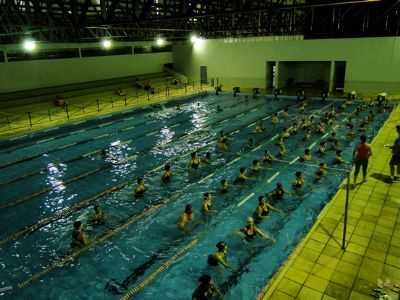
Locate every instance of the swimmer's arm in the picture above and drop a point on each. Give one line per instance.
(264, 235)
(274, 208)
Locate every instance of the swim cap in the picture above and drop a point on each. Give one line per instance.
(250, 220)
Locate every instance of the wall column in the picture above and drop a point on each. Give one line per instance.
(275, 77)
(331, 76)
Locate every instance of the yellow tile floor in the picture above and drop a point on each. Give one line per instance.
(319, 269)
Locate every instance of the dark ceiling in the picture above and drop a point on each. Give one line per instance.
(89, 20)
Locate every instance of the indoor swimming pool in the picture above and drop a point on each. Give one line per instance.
(52, 178)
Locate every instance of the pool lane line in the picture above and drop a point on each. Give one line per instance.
(276, 174)
(99, 150)
(75, 178)
(104, 237)
(92, 127)
(28, 158)
(27, 230)
(245, 199)
(152, 276)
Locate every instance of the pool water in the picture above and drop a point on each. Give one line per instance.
(53, 178)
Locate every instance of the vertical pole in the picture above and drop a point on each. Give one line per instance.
(148, 96)
(125, 101)
(67, 111)
(49, 114)
(112, 103)
(98, 105)
(346, 208)
(193, 84)
(30, 119)
(185, 88)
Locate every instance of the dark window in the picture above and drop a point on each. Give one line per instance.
(45, 54)
(167, 48)
(88, 52)
(1, 56)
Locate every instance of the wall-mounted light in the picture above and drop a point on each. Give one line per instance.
(29, 45)
(160, 41)
(106, 43)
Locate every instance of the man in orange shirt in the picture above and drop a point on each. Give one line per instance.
(361, 156)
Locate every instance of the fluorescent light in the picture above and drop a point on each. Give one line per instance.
(106, 43)
(194, 38)
(160, 41)
(29, 45)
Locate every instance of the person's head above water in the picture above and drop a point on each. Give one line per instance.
(96, 208)
(208, 155)
(363, 138)
(193, 155)
(298, 174)
(255, 162)
(261, 199)
(221, 246)
(205, 279)
(279, 185)
(242, 170)
(307, 151)
(188, 209)
(206, 195)
(223, 181)
(77, 225)
(140, 180)
(250, 220)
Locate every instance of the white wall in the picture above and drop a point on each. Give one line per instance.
(23, 75)
(373, 64)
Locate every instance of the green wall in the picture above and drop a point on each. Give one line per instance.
(373, 64)
(25, 75)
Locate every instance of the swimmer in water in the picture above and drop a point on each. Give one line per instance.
(282, 149)
(194, 162)
(267, 157)
(275, 119)
(206, 289)
(321, 172)
(285, 112)
(185, 218)
(79, 239)
(259, 127)
(99, 217)
(277, 193)
(166, 177)
(322, 148)
(338, 158)
(250, 231)
(224, 186)
(140, 188)
(307, 134)
(219, 109)
(206, 159)
(306, 156)
(256, 167)
(298, 182)
(218, 258)
(242, 178)
(222, 142)
(207, 203)
(263, 209)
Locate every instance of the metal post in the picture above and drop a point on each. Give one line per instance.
(67, 111)
(30, 119)
(125, 100)
(112, 103)
(49, 114)
(98, 105)
(148, 96)
(346, 208)
(185, 88)
(193, 84)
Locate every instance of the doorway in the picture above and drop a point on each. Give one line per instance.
(339, 76)
(203, 74)
(270, 75)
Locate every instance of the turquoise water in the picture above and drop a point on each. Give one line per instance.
(43, 176)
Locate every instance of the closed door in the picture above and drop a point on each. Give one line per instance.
(203, 74)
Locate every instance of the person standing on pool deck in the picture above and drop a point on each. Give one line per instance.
(395, 160)
(361, 155)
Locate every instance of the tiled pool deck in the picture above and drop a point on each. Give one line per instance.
(320, 269)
